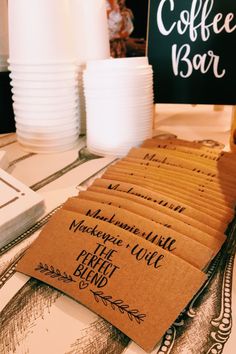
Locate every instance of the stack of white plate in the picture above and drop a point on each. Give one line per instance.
(44, 75)
(119, 104)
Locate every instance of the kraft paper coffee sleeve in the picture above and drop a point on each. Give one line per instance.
(191, 199)
(170, 240)
(149, 155)
(121, 277)
(161, 202)
(118, 199)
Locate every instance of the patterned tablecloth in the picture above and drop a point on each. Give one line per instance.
(35, 318)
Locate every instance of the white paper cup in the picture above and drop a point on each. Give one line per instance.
(122, 140)
(91, 33)
(115, 73)
(118, 75)
(120, 100)
(101, 114)
(45, 93)
(45, 100)
(48, 143)
(47, 108)
(45, 135)
(116, 63)
(120, 87)
(43, 76)
(118, 126)
(43, 68)
(124, 82)
(47, 132)
(119, 150)
(47, 140)
(47, 116)
(44, 84)
(121, 97)
(121, 107)
(41, 149)
(46, 126)
(40, 31)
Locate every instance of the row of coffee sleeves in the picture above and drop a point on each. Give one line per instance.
(170, 203)
(182, 190)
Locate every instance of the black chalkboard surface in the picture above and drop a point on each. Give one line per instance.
(192, 47)
(7, 122)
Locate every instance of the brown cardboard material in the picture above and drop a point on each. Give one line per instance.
(187, 185)
(218, 207)
(215, 183)
(174, 158)
(215, 150)
(206, 153)
(191, 251)
(201, 169)
(117, 275)
(193, 199)
(223, 160)
(162, 203)
(118, 199)
(220, 200)
(190, 199)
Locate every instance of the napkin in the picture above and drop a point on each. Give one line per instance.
(20, 207)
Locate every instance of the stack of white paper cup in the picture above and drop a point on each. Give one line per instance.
(91, 39)
(43, 75)
(91, 32)
(4, 51)
(119, 104)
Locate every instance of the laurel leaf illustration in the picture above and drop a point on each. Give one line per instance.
(118, 304)
(121, 310)
(142, 315)
(124, 307)
(135, 311)
(130, 316)
(50, 271)
(113, 306)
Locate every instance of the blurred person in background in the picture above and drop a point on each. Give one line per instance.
(120, 23)
(127, 21)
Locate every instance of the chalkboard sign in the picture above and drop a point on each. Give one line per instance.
(191, 45)
(7, 121)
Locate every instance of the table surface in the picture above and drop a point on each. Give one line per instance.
(38, 319)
